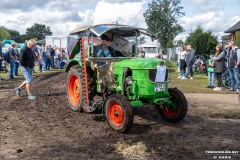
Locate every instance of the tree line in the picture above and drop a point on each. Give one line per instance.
(38, 31)
(162, 19)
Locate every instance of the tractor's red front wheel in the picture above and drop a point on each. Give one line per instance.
(119, 113)
(115, 113)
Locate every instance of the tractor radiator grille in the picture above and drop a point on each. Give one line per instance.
(152, 74)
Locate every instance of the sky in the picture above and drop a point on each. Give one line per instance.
(65, 16)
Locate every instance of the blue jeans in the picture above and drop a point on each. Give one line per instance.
(52, 63)
(48, 62)
(182, 73)
(56, 62)
(39, 66)
(16, 68)
(0, 65)
(211, 79)
(234, 75)
(27, 73)
(62, 64)
(12, 64)
(179, 66)
(44, 65)
(189, 70)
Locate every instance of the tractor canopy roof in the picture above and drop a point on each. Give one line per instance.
(124, 33)
(116, 29)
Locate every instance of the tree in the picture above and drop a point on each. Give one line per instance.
(180, 43)
(202, 42)
(161, 18)
(4, 35)
(38, 31)
(15, 35)
(238, 38)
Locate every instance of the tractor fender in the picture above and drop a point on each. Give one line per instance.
(72, 62)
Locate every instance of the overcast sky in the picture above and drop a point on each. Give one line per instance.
(64, 16)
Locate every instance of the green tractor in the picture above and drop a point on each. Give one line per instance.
(117, 83)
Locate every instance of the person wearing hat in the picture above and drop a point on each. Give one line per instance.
(104, 50)
(105, 67)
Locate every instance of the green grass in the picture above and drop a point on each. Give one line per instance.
(197, 85)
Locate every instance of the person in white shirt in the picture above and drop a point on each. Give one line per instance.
(182, 63)
(178, 61)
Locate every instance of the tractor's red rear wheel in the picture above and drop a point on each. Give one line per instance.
(75, 88)
(119, 112)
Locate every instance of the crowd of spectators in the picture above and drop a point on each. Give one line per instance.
(45, 58)
(227, 58)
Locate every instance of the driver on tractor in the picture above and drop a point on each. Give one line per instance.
(104, 50)
(105, 68)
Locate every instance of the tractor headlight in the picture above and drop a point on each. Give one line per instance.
(129, 80)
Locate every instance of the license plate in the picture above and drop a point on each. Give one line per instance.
(159, 87)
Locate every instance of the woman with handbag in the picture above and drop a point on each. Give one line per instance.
(218, 63)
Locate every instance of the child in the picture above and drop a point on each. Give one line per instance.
(211, 74)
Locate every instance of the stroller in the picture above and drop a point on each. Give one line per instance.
(199, 65)
(3, 67)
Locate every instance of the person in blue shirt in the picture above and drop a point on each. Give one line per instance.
(189, 61)
(43, 58)
(12, 57)
(233, 63)
(104, 50)
(48, 59)
(36, 58)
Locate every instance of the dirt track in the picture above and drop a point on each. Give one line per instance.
(47, 128)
